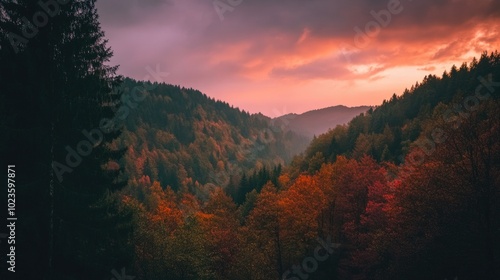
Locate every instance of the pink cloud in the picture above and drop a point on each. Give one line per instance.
(264, 50)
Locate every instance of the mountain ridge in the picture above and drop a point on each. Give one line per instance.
(319, 121)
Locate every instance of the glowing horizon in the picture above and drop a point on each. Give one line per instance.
(296, 56)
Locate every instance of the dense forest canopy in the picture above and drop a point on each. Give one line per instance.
(190, 142)
(392, 193)
(388, 132)
(185, 187)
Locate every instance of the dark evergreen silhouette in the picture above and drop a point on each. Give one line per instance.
(55, 85)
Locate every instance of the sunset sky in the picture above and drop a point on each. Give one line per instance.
(284, 56)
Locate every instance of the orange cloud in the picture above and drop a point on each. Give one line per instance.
(266, 54)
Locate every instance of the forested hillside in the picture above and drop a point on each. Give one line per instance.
(172, 184)
(388, 132)
(351, 210)
(188, 141)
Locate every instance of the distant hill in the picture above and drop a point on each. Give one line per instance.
(388, 132)
(317, 122)
(187, 140)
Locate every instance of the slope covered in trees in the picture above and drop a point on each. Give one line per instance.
(409, 190)
(388, 132)
(436, 216)
(190, 142)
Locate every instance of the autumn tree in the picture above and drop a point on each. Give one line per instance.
(263, 233)
(220, 221)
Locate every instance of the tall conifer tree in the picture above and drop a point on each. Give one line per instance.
(58, 87)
